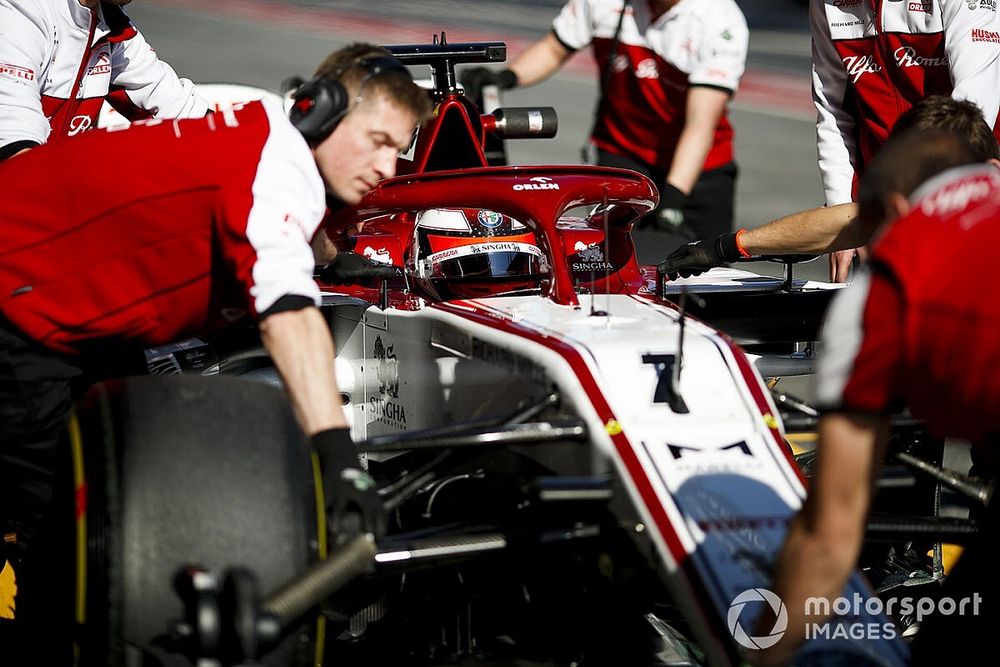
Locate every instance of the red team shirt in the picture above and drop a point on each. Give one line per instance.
(921, 328)
(695, 43)
(217, 224)
(874, 59)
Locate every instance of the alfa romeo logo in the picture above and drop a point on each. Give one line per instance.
(736, 628)
(489, 219)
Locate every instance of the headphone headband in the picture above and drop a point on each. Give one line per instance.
(322, 102)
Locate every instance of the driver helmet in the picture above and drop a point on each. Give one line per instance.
(473, 252)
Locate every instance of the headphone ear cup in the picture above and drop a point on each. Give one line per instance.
(319, 104)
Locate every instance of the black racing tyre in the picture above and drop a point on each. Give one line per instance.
(212, 472)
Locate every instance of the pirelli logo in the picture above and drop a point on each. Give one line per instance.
(980, 35)
(17, 72)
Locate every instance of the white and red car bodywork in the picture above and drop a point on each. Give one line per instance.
(710, 491)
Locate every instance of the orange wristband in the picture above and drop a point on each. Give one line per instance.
(739, 244)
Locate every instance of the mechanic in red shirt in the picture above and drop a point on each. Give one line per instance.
(917, 330)
(668, 70)
(874, 59)
(822, 230)
(169, 250)
(59, 61)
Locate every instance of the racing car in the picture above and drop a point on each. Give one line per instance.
(581, 464)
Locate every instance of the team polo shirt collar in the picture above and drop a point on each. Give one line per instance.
(113, 24)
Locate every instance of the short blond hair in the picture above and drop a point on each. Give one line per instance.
(348, 65)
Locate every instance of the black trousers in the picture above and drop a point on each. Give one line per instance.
(713, 199)
(37, 390)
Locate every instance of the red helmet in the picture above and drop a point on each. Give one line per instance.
(467, 253)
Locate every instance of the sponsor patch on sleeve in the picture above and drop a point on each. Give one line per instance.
(16, 73)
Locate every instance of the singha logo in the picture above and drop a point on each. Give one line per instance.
(591, 258)
(588, 253)
(388, 369)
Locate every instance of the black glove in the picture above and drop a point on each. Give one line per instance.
(350, 268)
(353, 505)
(474, 78)
(699, 256)
(668, 216)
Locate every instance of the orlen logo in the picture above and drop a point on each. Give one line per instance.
(17, 72)
(103, 66)
(856, 66)
(924, 7)
(79, 124)
(538, 183)
(906, 56)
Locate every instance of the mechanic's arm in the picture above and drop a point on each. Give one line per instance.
(825, 537)
(22, 55)
(705, 106)
(817, 230)
(814, 231)
(835, 142)
(834, 125)
(301, 348)
(144, 86)
(572, 29)
(299, 343)
(540, 60)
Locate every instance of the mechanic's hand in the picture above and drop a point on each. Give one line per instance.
(353, 505)
(349, 268)
(699, 256)
(668, 216)
(841, 262)
(474, 78)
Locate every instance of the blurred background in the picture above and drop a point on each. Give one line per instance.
(263, 42)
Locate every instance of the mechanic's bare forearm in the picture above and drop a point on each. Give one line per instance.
(705, 107)
(540, 61)
(300, 345)
(825, 538)
(815, 231)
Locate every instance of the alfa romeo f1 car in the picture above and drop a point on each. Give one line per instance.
(579, 465)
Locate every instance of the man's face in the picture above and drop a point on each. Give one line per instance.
(364, 147)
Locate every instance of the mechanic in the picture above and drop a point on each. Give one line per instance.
(905, 333)
(873, 60)
(830, 228)
(60, 60)
(173, 249)
(668, 69)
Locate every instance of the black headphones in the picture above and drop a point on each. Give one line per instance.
(322, 102)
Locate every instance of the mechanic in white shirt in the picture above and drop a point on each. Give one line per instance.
(668, 70)
(874, 59)
(59, 61)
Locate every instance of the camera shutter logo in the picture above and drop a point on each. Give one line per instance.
(736, 628)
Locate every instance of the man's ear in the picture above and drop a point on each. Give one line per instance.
(896, 206)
